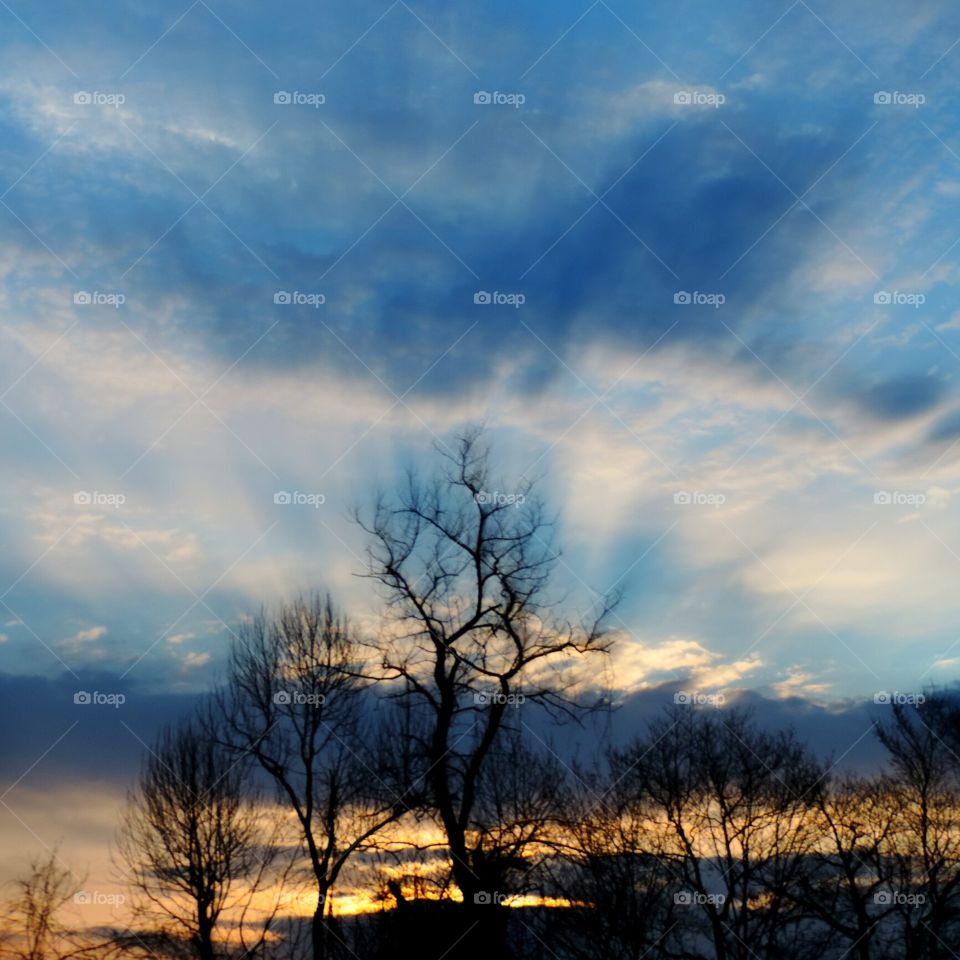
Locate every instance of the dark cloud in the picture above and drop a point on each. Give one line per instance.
(100, 743)
(504, 210)
(902, 397)
(842, 732)
(947, 428)
(405, 293)
(50, 740)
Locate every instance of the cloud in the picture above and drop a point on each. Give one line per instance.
(903, 397)
(796, 399)
(800, 683)
(112, 738)
(83, 643)
(80, 744)
(638, 665)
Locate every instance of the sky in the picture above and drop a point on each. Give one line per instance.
(692, 265)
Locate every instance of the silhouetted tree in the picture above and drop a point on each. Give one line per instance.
(32, 926)
(923, 850)
(194, 843)
(465, 566)
(730, 812)
(519, 813)
(619, 890)
(845, 885)
(295, 704)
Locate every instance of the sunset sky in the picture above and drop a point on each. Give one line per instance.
(720, 245)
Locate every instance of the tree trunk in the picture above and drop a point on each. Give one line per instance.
(203, 940)
(483, 926)
(320, 930)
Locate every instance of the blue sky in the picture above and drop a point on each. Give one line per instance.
(784, 190)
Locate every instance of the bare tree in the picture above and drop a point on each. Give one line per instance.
(295, 704)
(465, 567)
(31, 923)
(730, 810)
(923, 851)
(194, 844)
(519, 815)
(846, 884)
(618, 890)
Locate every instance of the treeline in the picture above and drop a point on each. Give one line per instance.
(405, 760)
(710, 837)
